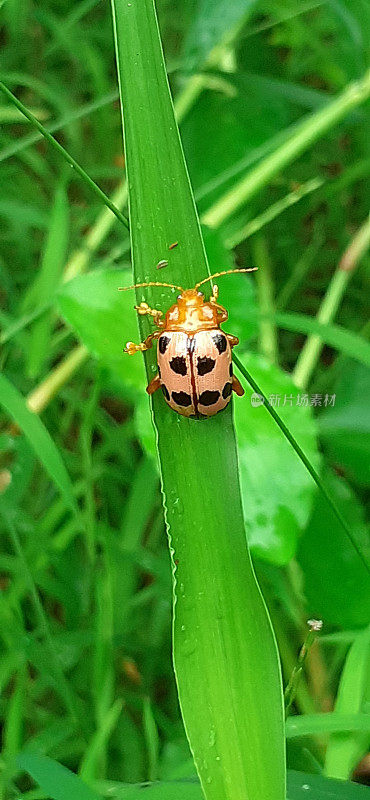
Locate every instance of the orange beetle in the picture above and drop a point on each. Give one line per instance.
(194, 355)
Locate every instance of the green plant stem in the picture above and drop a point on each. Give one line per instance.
(291, 688)
(254, 225)
(39, 398)
(300, 270)
(301, 455)
(79, 261)
(310, 353)
(308, 132)
(63, 152)
(304, 701)
(264, 280)
(188, 96)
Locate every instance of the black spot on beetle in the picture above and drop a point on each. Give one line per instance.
(178, 365)
(205, 364)
(226, 392)
(181, 398)
(231, 370)
(220, 342)
(165, 392)
(208, 398)
(163, 343)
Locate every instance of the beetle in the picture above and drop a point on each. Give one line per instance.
(194, 355)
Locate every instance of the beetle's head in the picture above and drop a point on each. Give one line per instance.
(190, 297)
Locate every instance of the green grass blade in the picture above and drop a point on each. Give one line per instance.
(347, 342)
(63, 152)
(224, 651)
(311, 469)
(57, 781)
(98, 742)
(345, 750)
(47, 279)
(38, 437)
(331, 722)
(83, 111)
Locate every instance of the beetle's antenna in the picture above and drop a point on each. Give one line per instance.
(226, 272)
(151, 283)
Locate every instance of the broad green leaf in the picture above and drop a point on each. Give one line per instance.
(345, 429)
(105, 320)
(224, 652)
(276, 488)
(346, 749)
(38, 437)
(214, 23)
(343, 598)
(58, 782)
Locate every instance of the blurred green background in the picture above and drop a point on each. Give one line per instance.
(85, 605)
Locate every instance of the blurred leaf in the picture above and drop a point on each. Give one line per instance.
(47, 280)
(343, 598)
(214, 22)
(38, 436)
(311, 724)
(345, 429)
(57, 781)
(105, 320)
(242, 124)
(346, 749)
(277, 490)
(318, 787)
(299, 785)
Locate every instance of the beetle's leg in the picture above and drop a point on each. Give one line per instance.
(132, 348)
(233, 340)
(144, 309)
(153, 385)
(237, 387)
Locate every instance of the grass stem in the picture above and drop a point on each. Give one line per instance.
(310, 353)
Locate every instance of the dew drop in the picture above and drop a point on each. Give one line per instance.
(212, 737)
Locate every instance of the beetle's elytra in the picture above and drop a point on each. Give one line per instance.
(193, 353)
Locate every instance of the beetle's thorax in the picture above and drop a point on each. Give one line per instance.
(191, 313)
